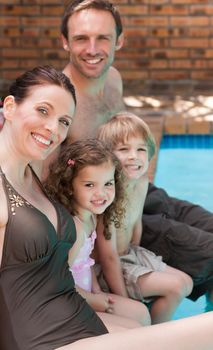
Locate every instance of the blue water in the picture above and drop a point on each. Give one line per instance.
(184, 170)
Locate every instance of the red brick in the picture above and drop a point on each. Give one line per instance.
(133, 10)
(170, 74)
(199, 21)
(202, 74)
(206, 9)
(52, 10)
(134, 75)
(9, 21)
(190, 43)
(157, 2)
(20, 53)
(129, 32)
(50, 32)
(189, 2)
(169, 53)
(158, 64)
(199, 32)
(41, 21)
(12, 31)
(169, 10)
(209, 53)
(8, 64)
(11, 74)
(183, 64)
(20, 10)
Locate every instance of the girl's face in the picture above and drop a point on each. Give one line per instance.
(40, 123)
(93, 189)
(133, 155)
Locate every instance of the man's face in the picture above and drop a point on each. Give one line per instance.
(92, 42)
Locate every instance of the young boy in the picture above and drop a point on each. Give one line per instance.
(128, 269)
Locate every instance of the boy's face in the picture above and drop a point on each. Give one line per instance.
(133, 155)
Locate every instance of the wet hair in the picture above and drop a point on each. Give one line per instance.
(73, 158)
(79, 5)
(124, 125)
(41, 75)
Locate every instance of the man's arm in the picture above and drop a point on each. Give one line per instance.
(110, 261)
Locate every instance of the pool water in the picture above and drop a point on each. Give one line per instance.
(184, 170)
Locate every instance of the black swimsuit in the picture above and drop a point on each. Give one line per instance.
(39, 306)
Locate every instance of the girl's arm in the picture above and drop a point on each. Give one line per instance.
(95, 285)
(110, 261)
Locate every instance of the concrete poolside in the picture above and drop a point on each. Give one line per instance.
(172, 115)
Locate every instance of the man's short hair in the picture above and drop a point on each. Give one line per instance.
(79, 5)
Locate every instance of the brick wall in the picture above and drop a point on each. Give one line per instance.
(169, 43)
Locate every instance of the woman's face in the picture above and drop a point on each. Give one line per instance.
(41, 121)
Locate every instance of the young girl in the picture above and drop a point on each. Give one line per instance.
(87, 180)
(142, 275)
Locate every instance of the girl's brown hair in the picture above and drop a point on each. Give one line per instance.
(72, 159)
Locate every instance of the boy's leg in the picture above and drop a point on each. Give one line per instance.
(168, 287)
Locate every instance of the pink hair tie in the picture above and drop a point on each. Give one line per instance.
(71, 162)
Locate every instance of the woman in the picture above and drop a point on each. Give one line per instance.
(40, 309)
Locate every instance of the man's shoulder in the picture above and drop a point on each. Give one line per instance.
(114, 80)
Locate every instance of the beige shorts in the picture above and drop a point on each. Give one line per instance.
(136, 263)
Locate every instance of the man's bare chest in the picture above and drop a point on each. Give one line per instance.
(93, 112)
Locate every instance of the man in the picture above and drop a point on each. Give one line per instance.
(177, 230)
(91, 33)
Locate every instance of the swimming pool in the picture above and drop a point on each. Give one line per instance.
(184, 170)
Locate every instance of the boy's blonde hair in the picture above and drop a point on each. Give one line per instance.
(124, 125)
